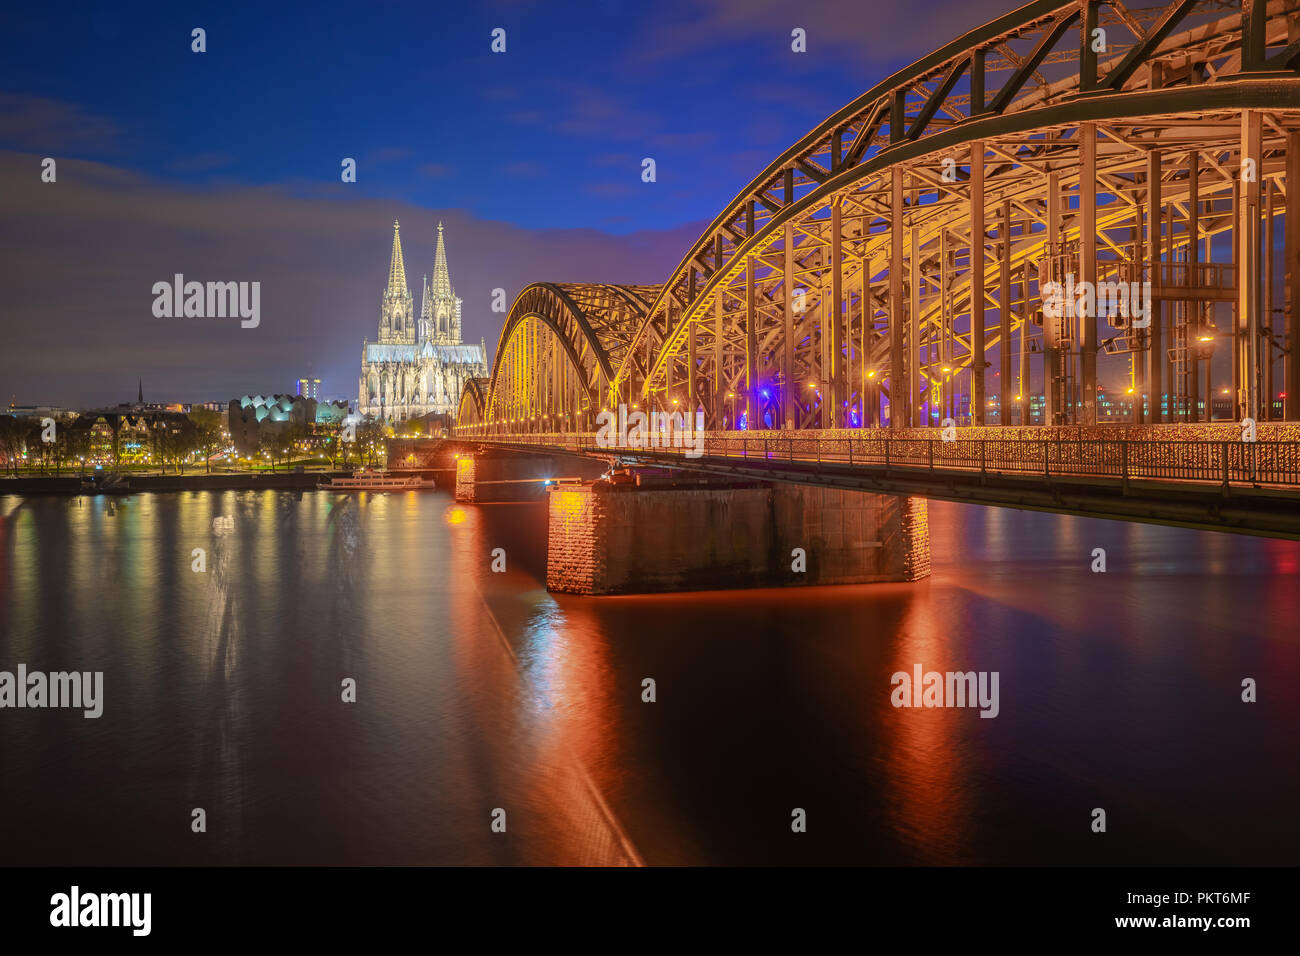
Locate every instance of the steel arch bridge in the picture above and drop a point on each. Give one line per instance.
(880, 268)
(559, 351)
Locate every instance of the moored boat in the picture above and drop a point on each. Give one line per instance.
(376, 481)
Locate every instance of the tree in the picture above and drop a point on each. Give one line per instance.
(294, 433)
(77, 442)
(172, 439)
(115, 423)
(35, 446)
(207, 432)
(11, 441)
(276, 441)
(183, 440)
(65, 441)
(369, 434)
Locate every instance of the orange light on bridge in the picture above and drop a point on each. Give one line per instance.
(570, 504)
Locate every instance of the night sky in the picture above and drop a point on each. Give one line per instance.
(225, 165)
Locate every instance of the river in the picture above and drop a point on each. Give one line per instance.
(480, 697)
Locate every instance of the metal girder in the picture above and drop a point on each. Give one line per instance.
(472, 408)
(1154, 37)
(790, 286)
(590, 326)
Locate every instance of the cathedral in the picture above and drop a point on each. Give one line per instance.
(417, 368)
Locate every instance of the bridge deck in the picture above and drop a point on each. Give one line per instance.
(1247, 487)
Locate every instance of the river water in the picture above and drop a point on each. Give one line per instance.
(477, 691)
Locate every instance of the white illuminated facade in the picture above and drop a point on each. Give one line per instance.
(417, 367)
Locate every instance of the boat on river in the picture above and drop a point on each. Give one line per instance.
(376, 481)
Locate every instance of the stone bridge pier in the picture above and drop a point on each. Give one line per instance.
(647, 529)
(609, 538)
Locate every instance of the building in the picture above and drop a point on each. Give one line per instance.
(417, 367)
(309, 388)
(251, 417)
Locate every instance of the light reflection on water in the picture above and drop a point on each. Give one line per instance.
(479, 690)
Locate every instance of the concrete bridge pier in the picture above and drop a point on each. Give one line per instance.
(625, 538)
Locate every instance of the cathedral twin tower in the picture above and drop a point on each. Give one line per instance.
(417, 368)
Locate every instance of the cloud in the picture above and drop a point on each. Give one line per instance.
(202, 162)
(434, 170)
(609, 190)
(48, 126)
(616, 159)
(704, 141)
(524, 169)
(594, 111)
(79, 257)
(526, 117)
(875, 32)
(388, 154)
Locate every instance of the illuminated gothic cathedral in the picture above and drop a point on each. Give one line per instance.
(417, 367)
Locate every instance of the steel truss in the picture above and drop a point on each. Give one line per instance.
(870, 273)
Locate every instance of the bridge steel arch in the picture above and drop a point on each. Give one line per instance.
(472, 407)
(556, 356)
(871, 272)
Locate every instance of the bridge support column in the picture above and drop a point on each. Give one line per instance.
(977, 268)
(834, 373)
(789, 387)
(915, 360)
(1004, 324)
(1248, 271)
(898, 372)
(1055, 398)
(1088, 267)
(1156, 346)
(752, 417)
(1193, 309)
(1291, 266)
(611, 539)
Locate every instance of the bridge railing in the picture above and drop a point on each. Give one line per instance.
(1223, 462)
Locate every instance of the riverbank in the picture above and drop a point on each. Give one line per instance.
(252, 481)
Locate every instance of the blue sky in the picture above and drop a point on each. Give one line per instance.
(230, 159)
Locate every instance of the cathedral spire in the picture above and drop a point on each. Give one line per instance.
(397, 267)
(423, 329)
(441, 279)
